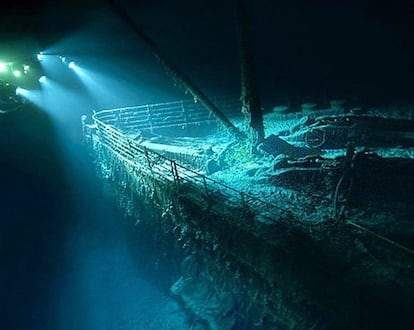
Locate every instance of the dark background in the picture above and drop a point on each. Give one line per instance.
(304, 51)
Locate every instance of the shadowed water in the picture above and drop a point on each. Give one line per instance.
(65, 260)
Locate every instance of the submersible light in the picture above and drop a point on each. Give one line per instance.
(17, 73)
(3, 67)
(42, 79)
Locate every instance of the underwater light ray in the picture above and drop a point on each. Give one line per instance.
(3, 67)
(100, 87)
(33, 96)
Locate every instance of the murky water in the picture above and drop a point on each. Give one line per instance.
(66, 260)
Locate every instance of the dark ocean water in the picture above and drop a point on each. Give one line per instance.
(66, 262)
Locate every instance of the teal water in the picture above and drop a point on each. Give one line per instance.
(66, 258)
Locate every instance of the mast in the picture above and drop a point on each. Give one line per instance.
(179, 78)
(251, 106)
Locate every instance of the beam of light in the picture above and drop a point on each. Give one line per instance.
(3, 67)
(49, 61)
(53, 67)
(102, 89)
(21, 91)
(45, 56)
(62, 103)
(54, 99)
(33, 96)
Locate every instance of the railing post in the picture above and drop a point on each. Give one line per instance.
(205, 185)
(175, 172)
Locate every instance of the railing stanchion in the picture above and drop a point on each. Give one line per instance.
(175, 172)
(205, 185)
